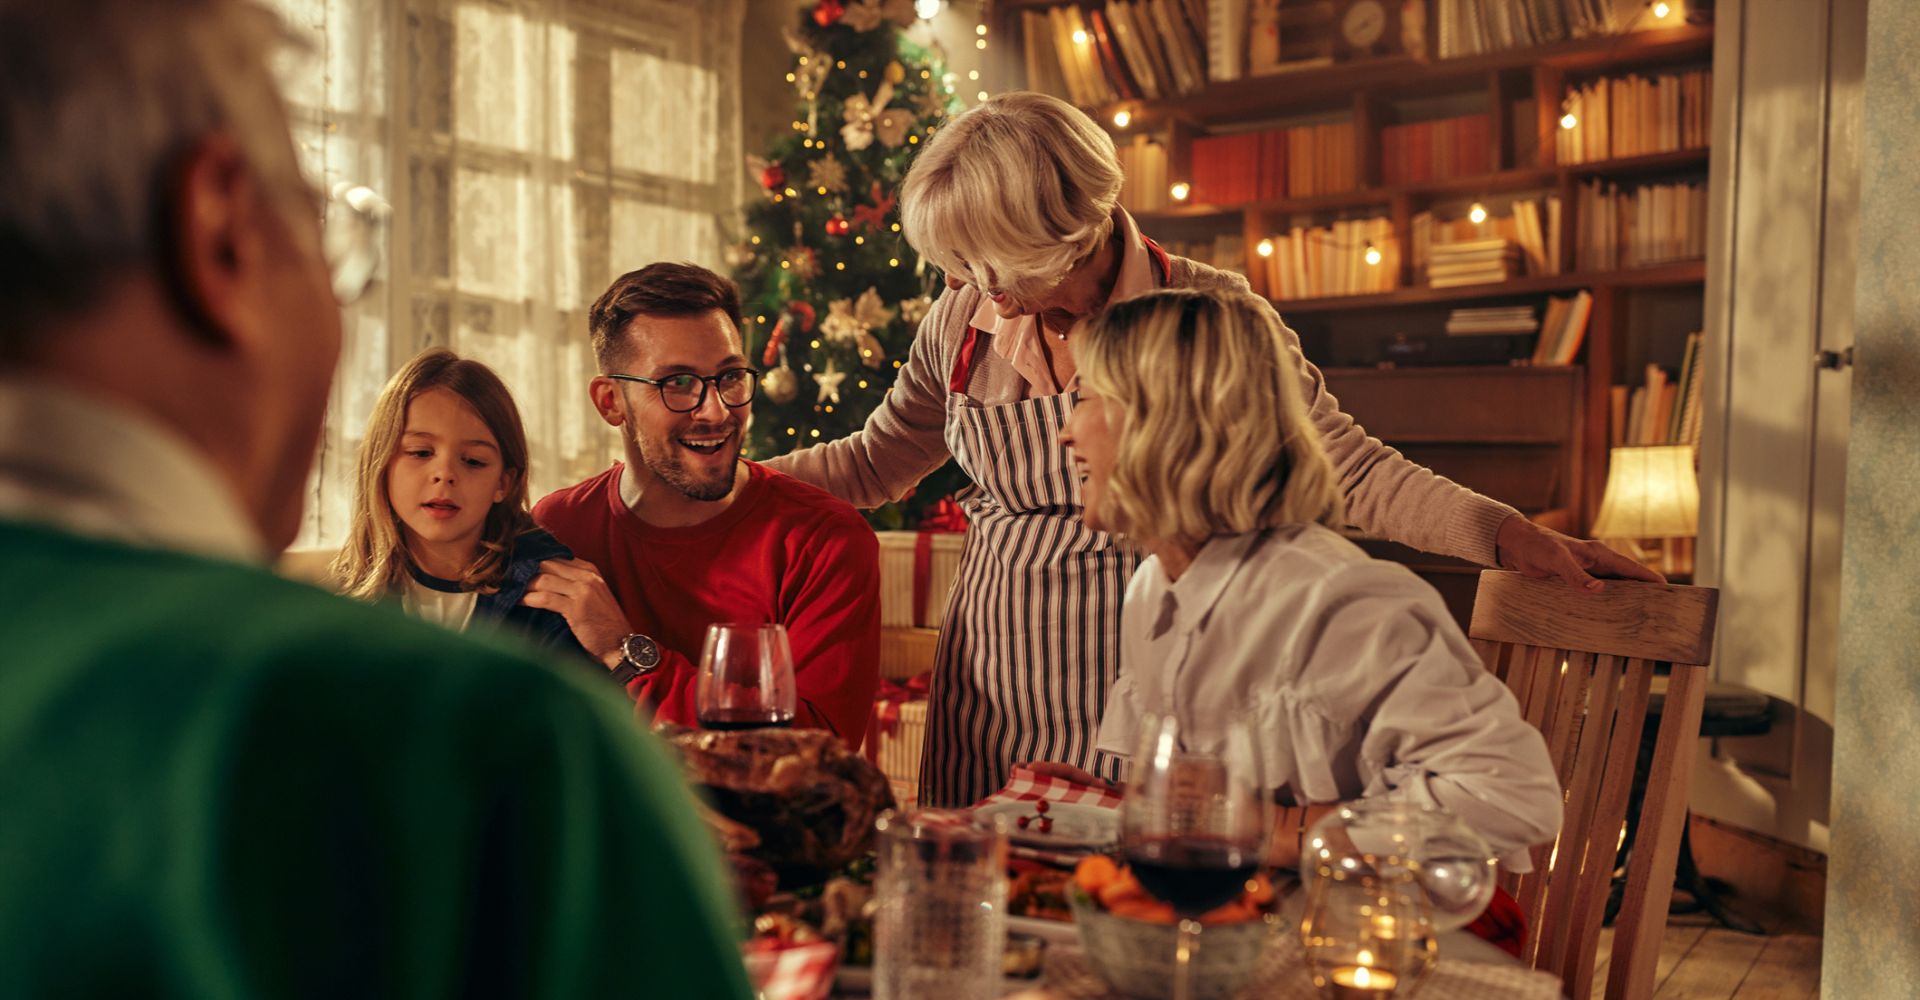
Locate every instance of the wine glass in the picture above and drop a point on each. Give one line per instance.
(746, 678)
(1193, 823)
(1448, 861)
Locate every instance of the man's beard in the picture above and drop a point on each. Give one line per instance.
(666, 461)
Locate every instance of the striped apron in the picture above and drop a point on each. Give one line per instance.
(1031, 642)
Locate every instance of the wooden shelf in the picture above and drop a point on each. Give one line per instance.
(1521, 179)
(1684, 273)
(1282, 93)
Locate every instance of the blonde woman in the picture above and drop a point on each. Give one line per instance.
(1195, 444)
(1016, 200)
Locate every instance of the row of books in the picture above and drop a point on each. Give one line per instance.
(1636, 116)
(1660, 410)
(1435, 150)
(1349, 257)
(1227, 251)
(1473, 27)
(1294, 162)
(1144, 173)
(1122, 51)
(1652, 224)
(1563, 329)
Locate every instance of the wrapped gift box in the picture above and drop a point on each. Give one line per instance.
(897, 734)
(917, 563)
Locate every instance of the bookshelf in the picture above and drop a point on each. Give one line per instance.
(1639, 313)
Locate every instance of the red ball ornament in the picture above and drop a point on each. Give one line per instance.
(828, 12)
(773, 176)
(838, 226)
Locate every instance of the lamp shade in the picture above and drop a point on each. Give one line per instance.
(1652, 492)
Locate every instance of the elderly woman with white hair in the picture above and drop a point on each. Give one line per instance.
(1017, 201)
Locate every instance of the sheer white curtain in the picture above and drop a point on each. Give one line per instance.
(532, 150)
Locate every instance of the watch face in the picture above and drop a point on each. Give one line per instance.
(641, 652)
(1365, 22)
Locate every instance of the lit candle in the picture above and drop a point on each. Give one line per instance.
(1359, 982)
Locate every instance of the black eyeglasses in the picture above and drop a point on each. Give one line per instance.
(686, 392)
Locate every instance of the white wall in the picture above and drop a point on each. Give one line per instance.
(1787, 81)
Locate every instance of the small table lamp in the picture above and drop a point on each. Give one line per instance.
(1653, 495)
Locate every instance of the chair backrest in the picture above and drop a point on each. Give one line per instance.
(1581, 665)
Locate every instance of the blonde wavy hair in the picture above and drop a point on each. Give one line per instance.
(1213, 435)
(374, 561)
(1012, 193)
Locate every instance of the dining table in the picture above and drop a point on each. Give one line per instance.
(1467, 968)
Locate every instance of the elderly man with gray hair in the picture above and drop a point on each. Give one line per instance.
(216, 783)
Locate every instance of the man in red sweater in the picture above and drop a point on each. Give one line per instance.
(684, 534)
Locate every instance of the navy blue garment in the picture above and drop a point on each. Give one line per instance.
(546, 629)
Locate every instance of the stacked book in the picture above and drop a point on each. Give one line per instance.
(1332, 260)
(1435, 150)
(1143, 49)
(1321, 159)
(1472, 262)
(1143, 167)
(1563, 329)
(1234, 169)
(1473, 27)
(1637, 116)
(1507, 320)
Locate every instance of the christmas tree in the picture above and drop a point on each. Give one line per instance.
(832, 292)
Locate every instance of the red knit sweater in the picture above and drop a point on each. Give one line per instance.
(782, 552)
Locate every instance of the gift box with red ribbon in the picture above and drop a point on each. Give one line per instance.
(917, 568)
(897, 732)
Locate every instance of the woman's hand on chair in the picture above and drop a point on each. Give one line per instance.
(1530, 549)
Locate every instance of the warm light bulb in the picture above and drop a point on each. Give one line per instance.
(857, 240)
(1478, 213)
(926, 10)
(791, 431)
(791, 193)
(786, 264)
(980, 29)
(1180, 190)
(979, 43)
(1079, 37)
(815, 432)
(893, 262)
(755, 241)
(973, 74)
(1265, 248)
(1373, 255)
(816, 345)
(1121, 119)
(1568, 121)
(1661, 10)
(839, 265)
(983, 95)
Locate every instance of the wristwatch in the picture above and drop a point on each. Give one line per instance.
(639, 656)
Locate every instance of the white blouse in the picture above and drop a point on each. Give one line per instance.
(1357, 680)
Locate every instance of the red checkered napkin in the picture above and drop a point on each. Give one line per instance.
(802, 972)
(1027, 786)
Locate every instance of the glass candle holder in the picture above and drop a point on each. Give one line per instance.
(1367, 934)
(941, 891)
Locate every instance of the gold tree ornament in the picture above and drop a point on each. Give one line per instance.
(780, 385)
(848, 320)
(805, 263)
(913, 310)
(865, 116)
(896, 73)
(827, 172)
(829, 383)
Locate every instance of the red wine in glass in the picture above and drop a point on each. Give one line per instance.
(736, 719)
(1194, 875)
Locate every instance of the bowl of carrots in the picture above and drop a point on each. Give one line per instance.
(1130, 937)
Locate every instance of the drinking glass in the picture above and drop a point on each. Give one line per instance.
(1193, 823)
(746, 678)
(941, 898)
(1449, 862)
(1367, 934)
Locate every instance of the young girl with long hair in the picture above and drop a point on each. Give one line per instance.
(440, 518)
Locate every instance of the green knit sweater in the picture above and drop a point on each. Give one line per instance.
(216, 783)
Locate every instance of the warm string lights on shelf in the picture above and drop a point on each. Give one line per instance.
(1371, 253)
(1661, 11)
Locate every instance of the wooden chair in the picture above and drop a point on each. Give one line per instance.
(1581, 665)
